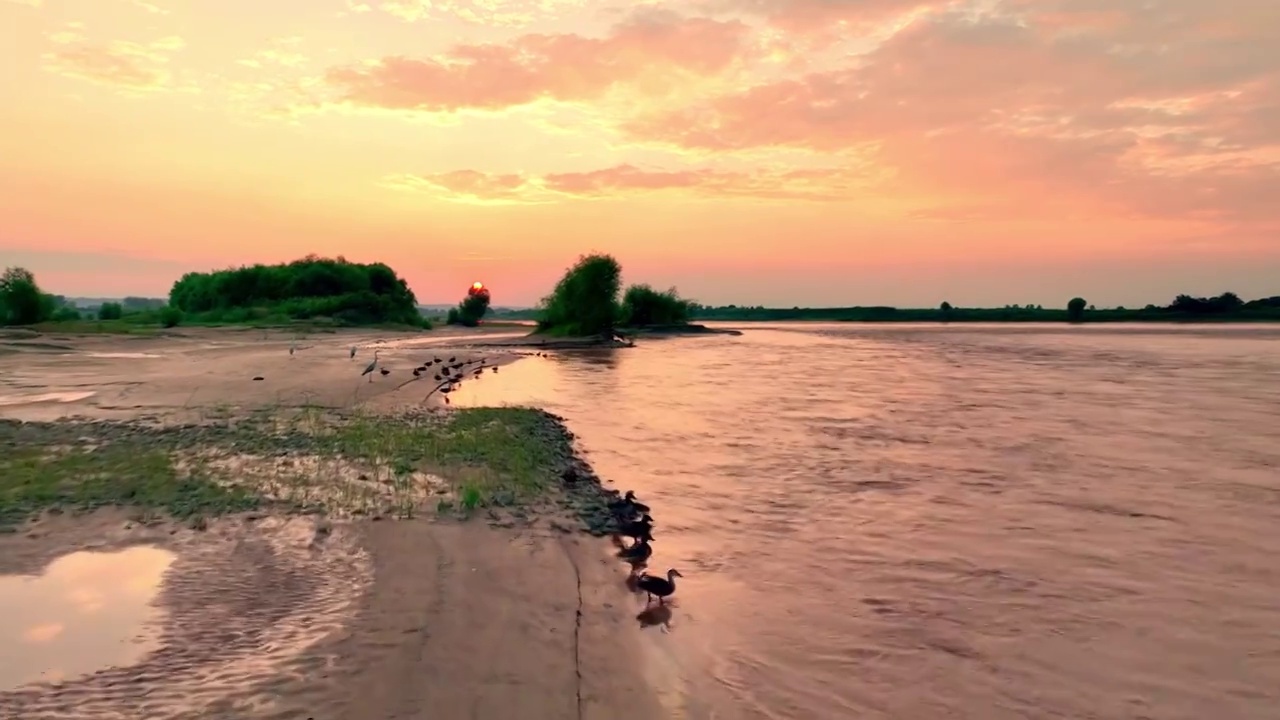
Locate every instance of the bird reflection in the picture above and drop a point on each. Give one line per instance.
(659, 615)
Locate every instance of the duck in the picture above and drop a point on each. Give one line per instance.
(659, 587)
(637, 529)
(639, 552)
(628, 506)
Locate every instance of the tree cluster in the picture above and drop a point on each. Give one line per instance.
(586, 301)
(307, 288)
(472, 309)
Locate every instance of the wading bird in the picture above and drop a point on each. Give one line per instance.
(353, 352)
(373, 365)
(659, 587)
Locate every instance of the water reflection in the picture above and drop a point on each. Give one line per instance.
(86, 612)
(976, 522)
(656, 615)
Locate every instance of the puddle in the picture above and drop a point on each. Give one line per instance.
(46, 397)
(87, 612)
(128, 355)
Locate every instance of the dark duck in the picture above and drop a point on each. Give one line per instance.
(627, 507)
(660, 588)
(639, 552)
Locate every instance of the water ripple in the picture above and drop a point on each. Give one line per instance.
(949, 522)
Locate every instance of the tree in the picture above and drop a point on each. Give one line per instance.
(472, 308)
(21, 302)
(946, 306)
(306, 288)
(585, 301)
(642, 305)
(110, 311)
(1075, 309)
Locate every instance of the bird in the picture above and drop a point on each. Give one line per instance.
(659, 587)
(385, 372)
(373, 364)
(417, 372)
(638, 553)
(638, 529)
(453, 359)
(626, 508)
(293, 347)
(353, 352)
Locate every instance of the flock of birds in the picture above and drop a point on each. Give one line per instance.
(632, 516)
(635, 522)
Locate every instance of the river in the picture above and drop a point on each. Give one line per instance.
(919, 522)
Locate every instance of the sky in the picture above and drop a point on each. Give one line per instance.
(774, 152)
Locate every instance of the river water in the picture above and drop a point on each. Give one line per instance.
(924, 522)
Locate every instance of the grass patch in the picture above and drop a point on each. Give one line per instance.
(302, 460)
(39, 478)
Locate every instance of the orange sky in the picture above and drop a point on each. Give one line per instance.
(782, 152)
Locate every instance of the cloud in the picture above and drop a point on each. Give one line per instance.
(651, 49)
(471, 186)
(493, 13)
(131, 66)
(823, 15)
(1166, 108)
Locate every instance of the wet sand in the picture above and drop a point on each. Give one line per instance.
(271, 616)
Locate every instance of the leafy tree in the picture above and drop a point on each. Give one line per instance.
(21, 302)
(1075, 309)
(473, 307)
(110, 311)
(306, 288)
(585, 301)
(945, 307)
(642, 305)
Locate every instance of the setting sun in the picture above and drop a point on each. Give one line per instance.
(477, 285)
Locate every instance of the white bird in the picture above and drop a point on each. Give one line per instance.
(293, 347)
(368, 370)
(353, 352)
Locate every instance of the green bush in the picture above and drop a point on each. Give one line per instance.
(312, 287)
(170, 316)
(110, 311)
(642, 305)
(585, 301)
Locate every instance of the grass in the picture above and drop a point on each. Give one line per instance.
(41, 478)
(298, 460)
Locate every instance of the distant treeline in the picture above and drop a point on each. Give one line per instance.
(312, 287)
(1225, 307)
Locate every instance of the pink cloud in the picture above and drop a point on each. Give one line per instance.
(1075, 98)
(535, 66)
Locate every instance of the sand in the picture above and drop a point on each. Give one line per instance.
(306, 617)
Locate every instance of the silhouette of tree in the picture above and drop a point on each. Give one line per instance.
(21, 302)
(1075, 309)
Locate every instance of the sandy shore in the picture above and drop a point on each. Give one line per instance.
(274, 614)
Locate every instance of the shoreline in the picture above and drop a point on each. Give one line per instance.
(410, 610)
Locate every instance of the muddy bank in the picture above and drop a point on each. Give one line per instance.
(324, 563)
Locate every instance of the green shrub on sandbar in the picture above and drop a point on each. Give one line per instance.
(307, 288)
